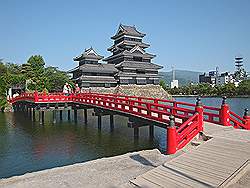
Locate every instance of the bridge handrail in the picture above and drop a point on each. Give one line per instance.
(149, 105)
(163, 109)
(122, 105)
(177, 103)
(178, 137)
(190, 130)
(181, 109)
(238, 122)
(236, 116)
(186, 123)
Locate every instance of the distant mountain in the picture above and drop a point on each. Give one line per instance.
(184, 76)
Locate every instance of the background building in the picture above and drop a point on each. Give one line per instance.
(129, 63)
(214, 78)
(174, 83)
(209, 77)
(91, 73)
(130, 58)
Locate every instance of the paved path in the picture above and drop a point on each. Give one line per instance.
(105, 172)
(217, 162)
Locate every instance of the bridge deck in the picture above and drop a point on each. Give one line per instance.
(211, 164)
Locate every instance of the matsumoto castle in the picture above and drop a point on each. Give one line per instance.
(128, 64)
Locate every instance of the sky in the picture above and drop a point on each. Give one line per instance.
(195, 35)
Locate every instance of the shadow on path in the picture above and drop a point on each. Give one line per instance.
(142, 160)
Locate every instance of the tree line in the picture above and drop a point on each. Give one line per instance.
(33, 74)
(205, 89)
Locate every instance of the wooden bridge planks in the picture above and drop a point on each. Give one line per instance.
(209, 165)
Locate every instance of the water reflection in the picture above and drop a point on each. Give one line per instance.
(27, 146)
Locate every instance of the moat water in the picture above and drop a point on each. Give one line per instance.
(27, 146)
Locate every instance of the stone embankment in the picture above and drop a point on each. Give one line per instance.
(154, 91)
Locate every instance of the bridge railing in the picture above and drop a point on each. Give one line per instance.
(180, 136)
(187, 131)
(23, 97)
(236, 120)
(153, 111)
(52, 97)
(181, 110)
(222, 115)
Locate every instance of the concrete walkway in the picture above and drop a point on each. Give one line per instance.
(220, 161)
(105, 172)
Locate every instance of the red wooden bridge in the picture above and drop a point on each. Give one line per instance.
(182, 120)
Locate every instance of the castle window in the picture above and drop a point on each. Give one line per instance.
(136, 58)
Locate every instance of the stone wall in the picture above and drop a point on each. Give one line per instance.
(154, 91)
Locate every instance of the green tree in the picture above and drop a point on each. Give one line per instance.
(55, 79)
(34, 70)
(3, 85)
(163, 84)
(244, 88)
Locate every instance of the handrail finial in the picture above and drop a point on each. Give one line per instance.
(246, 112)
(224, 98)
(171, 122)
(198, 101)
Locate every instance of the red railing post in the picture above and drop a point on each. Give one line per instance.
(247, 119)
(174, 108)
(36, 96)
(156, 101)
(200, 110)
(224, 113)
(171, 136)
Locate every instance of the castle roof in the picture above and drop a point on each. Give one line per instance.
(127, 30)
(129, 43)
(136, 50)
(98, 68)
(88, 54)
(138, 65)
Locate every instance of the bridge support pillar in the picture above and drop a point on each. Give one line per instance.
(15, 108)
(41, 117)
(99, 122)
(151, 132)
(85, 112)
(30, 112)
(60, 115)
(43, 113)
(75, 115)
(111, 122)
(171, 137)
(224, 113)
(136, 132)
(33, 114)
(25, 109)
(54, 116)
(68, 114)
